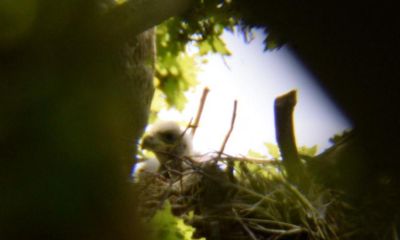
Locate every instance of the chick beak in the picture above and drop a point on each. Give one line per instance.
(148, 142)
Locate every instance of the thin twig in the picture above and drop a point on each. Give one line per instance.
(230, 129)
(253, 160)
(274, 222)
(289, 226)
(230, 164)
(247, 229)
(277, 231)
(189, 125)
(226, 63)
(199, 111)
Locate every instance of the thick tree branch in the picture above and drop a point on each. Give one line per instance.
(284, 107)
(135, 16)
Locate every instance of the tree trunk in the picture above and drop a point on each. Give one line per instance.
(74, 101)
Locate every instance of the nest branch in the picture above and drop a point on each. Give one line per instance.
(196, 122)
(284, 107)
(122, 21)
(245, 227)
(229, 169)
(230, 129)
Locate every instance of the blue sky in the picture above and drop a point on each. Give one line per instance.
(255, 78)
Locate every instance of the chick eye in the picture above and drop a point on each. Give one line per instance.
(168, 137)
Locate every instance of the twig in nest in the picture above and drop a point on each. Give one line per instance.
(160, 204)
(189, 125)
(229, 169)
(246, 228)
(279, 232)
(230, 130)
(252, 160)
(200, 110)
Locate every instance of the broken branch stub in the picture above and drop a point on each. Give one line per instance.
(284, 130)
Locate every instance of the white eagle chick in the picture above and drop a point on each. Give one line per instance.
(171, 145)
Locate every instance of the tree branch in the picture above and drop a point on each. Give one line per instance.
(221, 151)
(230, 165)
(136, 16)
(284, 107)
(199, 111)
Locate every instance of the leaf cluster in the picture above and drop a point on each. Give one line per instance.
(176, 69)
(274, 152)
(200, 29)
(169, 227)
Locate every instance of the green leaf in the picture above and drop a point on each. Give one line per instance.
(252, 153)
(273, 150)
(220, 47)
(174, 70)
(273, 41)
(186, 230)
(308, 151)
(340, 136)
(166, 226)
(204, 47)
(158, 103)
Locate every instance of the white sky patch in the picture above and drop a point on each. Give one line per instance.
(255, 78)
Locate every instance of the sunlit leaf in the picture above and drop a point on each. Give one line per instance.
(340, 136)
(204, 47)
(220, 47)
(308, 151)
(168, 227)
(174, 70)
(186, 230)
(252, 153)
(273, 150)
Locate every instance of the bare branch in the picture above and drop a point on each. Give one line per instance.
(200, 110)
(230, 165)
(230, 130)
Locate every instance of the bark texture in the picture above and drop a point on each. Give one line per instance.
(74, 101)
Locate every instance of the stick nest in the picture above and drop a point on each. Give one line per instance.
(234, 198)
(249, 201)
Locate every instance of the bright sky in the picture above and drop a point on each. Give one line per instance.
(255, 78)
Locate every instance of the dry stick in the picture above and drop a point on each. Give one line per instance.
(254, 160)
(189, 125)
(200, 111)
(245, 227)
(229, 169)
(242, 158)
(221, 151)
(280, 232)
(284, 107)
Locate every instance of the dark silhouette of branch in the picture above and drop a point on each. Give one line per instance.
(284, 107)
(135, 16)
